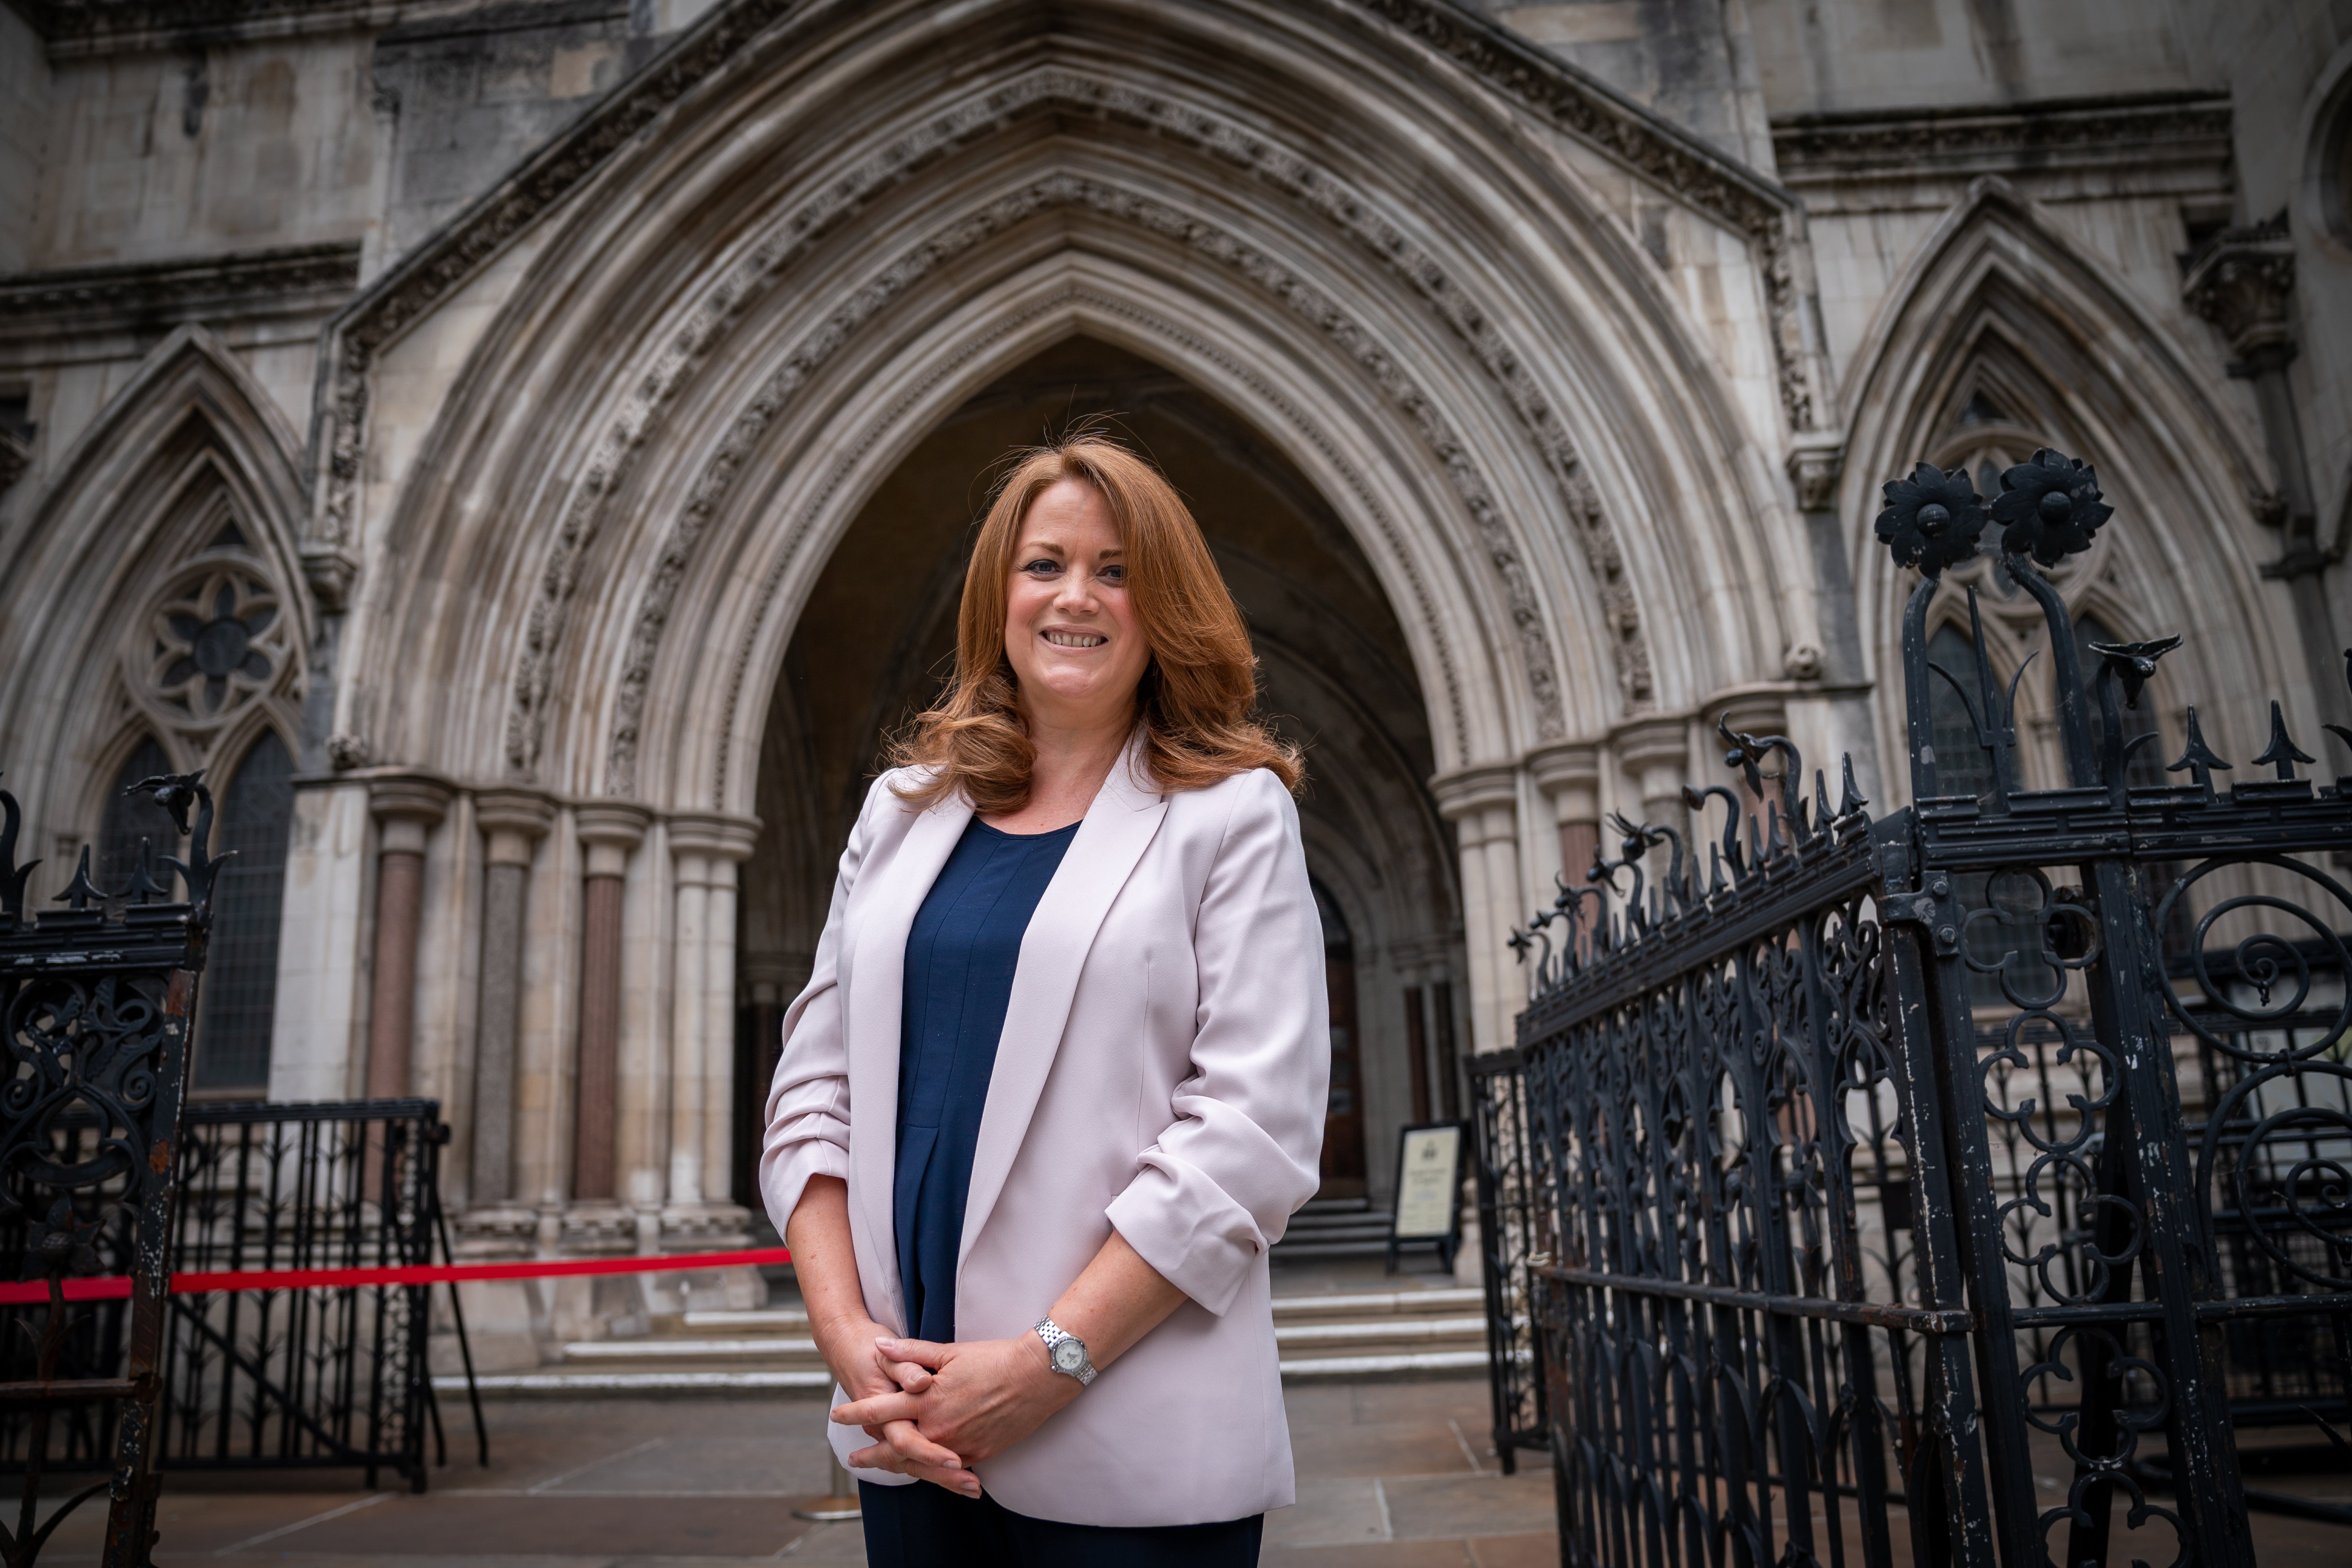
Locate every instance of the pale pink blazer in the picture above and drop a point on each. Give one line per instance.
(1162, 1071)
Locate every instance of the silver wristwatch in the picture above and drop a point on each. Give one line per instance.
(1066, 1352)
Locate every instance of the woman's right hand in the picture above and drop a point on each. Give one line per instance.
(850, 1346)
(825, 1265)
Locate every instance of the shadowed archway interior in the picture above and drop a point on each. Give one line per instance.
(878, 634)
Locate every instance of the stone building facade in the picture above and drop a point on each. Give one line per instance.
(524, 451)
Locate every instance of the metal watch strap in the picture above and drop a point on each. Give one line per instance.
(1053, 1334)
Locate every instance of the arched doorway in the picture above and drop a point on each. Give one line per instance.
(877, 634)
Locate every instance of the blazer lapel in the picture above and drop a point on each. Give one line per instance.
(1118, 827)
(876, 1000)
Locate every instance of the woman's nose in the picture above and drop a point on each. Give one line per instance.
(1077, 591)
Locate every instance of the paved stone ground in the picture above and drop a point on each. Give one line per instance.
(1391, 1476)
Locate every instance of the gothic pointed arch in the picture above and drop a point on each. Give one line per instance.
(164, 605)
(2004, 337)
(844, 237)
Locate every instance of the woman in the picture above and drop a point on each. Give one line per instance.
(1058, 1081)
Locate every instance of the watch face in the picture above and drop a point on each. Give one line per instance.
(1069, 1356)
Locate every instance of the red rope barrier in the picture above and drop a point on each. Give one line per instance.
(116, 1287)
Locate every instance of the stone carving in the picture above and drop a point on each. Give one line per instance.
(182, 290)
(433, 269)
(1969, 141)
(215, 643)
(220, 638)
(93, 20)
(527, 714)
(1449, 674)
(1660, 151)
(1684, 166)
(2243, 280)
(1351, 210)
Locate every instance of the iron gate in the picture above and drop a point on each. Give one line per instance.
(332, 1376)
(1969, 1183)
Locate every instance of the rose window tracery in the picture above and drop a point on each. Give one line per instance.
(219, 642)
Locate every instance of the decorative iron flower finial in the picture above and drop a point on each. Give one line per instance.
(2049, 507)
(1932, 519)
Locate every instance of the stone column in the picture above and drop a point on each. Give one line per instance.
(1483, 805)
(2244, 282)
(1655, 755)
(609, 831)
(704, 851)
(689, 936)
(407, 807)
(512, 822)
(1570, 777)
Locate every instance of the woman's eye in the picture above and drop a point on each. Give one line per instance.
(1113, 574)
(1041, 567)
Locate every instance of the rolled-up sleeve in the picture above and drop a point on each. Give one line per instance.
(1221, 1183)
(808, 1102)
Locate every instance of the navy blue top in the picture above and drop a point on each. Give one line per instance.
(961, 954)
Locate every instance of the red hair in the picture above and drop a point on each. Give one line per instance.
(1196, 697)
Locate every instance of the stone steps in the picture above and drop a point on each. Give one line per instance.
(1373, 1336)
(1334, 1227)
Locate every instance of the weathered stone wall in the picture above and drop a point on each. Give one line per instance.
(539, 352)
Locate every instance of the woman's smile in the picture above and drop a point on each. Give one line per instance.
(1075, 639)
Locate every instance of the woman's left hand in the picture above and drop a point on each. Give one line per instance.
(984, 1396)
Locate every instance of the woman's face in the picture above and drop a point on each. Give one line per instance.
(1069, 629)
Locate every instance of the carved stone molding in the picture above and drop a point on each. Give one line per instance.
(1468, 791)
(1190, 343)
(511, 821)
(330, 571)
(91, 27)
(399, 796)
(1959, 143)
(1655, 753)
(313, 277)
(1693, 171)
(626, 435)
(724, 303)
(1569, 773)
(1816, 459)
(1577, 104)
(713, 834)
(1647, 142)
(2243, 280)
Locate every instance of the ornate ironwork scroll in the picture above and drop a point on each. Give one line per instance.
(322, 1376)
(97, 1000)
(1973, 1183)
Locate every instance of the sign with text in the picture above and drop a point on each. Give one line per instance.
(1429, 1181)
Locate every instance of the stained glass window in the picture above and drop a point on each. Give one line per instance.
(240, 988)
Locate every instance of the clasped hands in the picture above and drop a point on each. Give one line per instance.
(936, 1410)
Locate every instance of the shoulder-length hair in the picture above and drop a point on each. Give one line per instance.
(1195, 699)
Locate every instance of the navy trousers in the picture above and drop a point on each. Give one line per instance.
(924, 1526)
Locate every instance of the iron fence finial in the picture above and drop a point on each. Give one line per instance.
(2198, 758)
(2282, 752)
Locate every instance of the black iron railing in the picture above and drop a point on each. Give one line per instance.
(1879, 1166)
(333, 1376)
(1515, 1239)
(96, 1001)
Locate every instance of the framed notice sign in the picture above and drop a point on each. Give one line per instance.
(1428, 1190)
